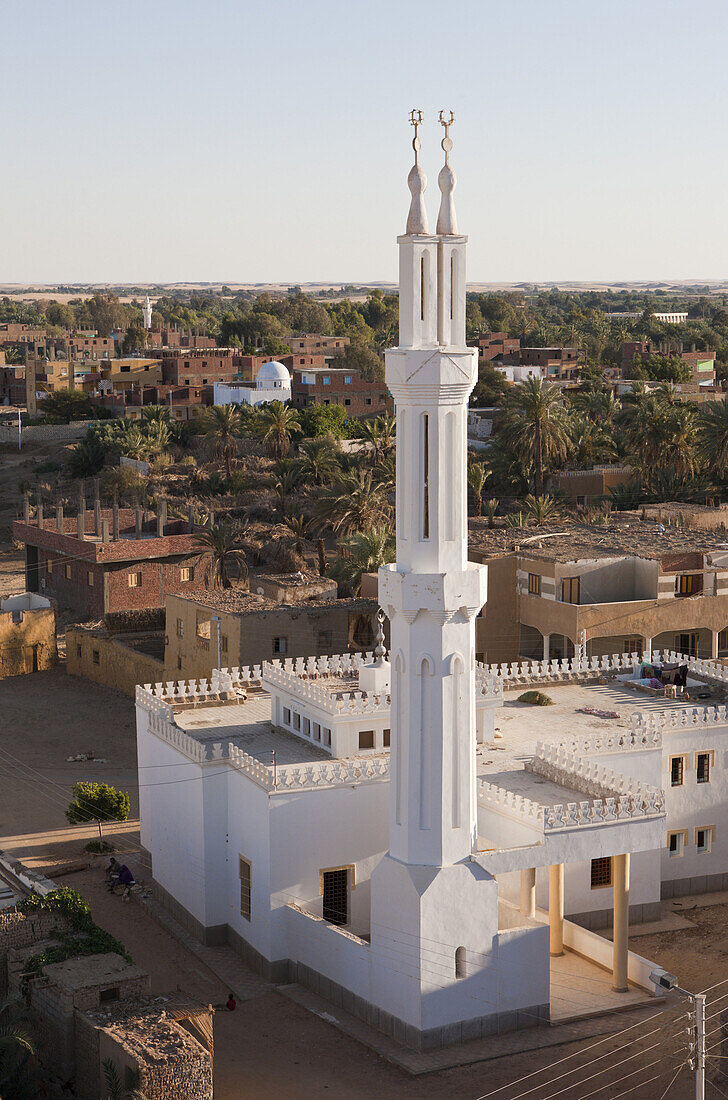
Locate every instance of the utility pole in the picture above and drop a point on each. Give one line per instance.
(696, 1061)
(217, 620)
(20, 431)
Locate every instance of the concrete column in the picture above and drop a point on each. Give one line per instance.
(546, 646)
(161, 518)
(115, 517)
(26, 508)
(138, 523)
(714, 644)
(647, 648)
(191, 518)
(620, 942)
(39, 513)
(528, 891)
(556, 909)
(59, 516)
(105, 530)
(81, 526)
(97, 517)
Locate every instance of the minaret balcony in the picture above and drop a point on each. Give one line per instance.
(439, 593)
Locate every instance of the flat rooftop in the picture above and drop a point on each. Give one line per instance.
(625, 534)
(240, 602)
(248, 726)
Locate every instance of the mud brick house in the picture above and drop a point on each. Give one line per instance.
(329, 386)
(108, 560)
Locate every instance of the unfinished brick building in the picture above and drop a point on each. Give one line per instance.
(110, 559)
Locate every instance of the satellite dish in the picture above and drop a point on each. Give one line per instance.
(259, 591)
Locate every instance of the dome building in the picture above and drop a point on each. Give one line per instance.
(272, 383)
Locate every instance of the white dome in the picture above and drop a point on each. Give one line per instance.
(272, 372)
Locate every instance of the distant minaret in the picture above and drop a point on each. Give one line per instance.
(147, 310)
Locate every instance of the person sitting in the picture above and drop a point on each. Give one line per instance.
(112, 872)
(230, 1004)
(124, 878)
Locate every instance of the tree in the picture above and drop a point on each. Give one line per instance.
(63, 406)
(379, 433)
(97, 802)
(478, 474)
(490, 387)
(363, 359)
(355, 503)
(535, 426)
(541, 509)
(298, 526)
(712, 436)
(278, 424)
(18, 1079)
(86, 458)
(221, 425)
(319, 459)
(317, 420)
(362, 552)
(222, 542)
(118, 1091)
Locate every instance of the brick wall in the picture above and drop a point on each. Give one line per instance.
(18, 930)
(28, 645)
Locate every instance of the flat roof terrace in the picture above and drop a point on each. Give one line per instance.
(248, 726)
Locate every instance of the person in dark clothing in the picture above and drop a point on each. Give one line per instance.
(230, 1004)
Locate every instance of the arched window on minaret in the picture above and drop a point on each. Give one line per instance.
(451, 497)
(461, 966)
(425, 476)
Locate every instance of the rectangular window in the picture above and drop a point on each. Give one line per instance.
(327, 738)
(687, 644)
(187, 573)
(180, 628)
(676, 842)
(425, 476)
(90, 578)
(325, 639)
(677, 770)
(702, 767)
(386, 738)
(367, 400)
(78, 652)
(286, 716)
(366, 739)
(244, 868)
(326, 381)
(570, 590)
(601, 872)
(95, 657)
(347, 401)
(336, 895)
(704, 838)
(68, 572)
(689, 584)
(49, 566)
(306, 727)
(632, 645)
(347, 379)
(316, 731)
(296, 721)
(223, 643)
(280, 645)
(134, 580)
(534, 584)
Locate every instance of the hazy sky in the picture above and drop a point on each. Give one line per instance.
(234, 140)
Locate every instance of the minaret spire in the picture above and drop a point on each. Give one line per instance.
(417, 182)
(447, 222)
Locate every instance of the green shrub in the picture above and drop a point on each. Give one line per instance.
(536, 699)
(98, 847)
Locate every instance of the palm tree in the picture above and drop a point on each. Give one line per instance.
(362, 552)
(355, 503)
(478, 474)
(535, 426)
(712, 436)
(222, 542)
(277, 425)
(298, 526)
(16, 1051)
(491, 507)
(541, 509)
(155, 414)
(117, 1091)
(379, 433)
(318, 459)
(283, 485)
(385, 472)
(157, 435)
(222, 425)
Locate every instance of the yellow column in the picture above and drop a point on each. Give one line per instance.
(556, 909)
(620, 865)
(528, 891)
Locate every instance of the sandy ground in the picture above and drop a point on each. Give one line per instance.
(271, 1046)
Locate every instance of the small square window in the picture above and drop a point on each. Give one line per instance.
(223, 643)
(702, 767)
(187, 573)
(96, 658)
(534, 584)
(347, 400)
(90, 578)
(286, 716)
(325, 639)
(704, 838)
(180, 628)
(68, 572)
(280, 645)
(677, 771)
(601, 872)
(134, 580)
(386, 736)
(367, 400)
(347, 379)
(366, 739)
(326, 381)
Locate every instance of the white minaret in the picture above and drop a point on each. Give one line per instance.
(426, 887)
(147, 310)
